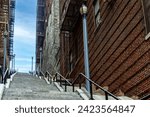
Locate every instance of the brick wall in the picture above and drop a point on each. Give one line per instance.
(119, 54)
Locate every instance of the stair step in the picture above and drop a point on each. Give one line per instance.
(25, 87)
(48, 96)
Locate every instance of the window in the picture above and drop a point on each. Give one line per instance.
(146, 7)
(97, 12)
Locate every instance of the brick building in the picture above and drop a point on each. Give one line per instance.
(40, 31)
(7, 17)
(119, 46)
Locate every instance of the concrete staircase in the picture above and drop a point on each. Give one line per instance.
(27, 87)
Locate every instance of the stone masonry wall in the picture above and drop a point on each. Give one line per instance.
(51, 44)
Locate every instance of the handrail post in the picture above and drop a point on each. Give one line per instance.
(80, 82)
(79, 85)
(50, 79)
(65, 86)
(106, 95)
(60, 81)
(91, 91)
(73, 87)
(56, 77)
(46, 76)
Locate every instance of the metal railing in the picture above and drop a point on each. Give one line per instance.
(49, 77)
(145, 97)
(5, 76)
(42, 74)
(66, 81)
(1, 74)
(62, 79)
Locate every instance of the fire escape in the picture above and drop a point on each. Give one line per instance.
(11, 27)
(7, 18)
(70, 14)
(40, 28)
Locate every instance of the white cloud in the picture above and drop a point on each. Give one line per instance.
(24, 33)
(25, 28)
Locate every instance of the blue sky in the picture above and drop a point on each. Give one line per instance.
(24, 34)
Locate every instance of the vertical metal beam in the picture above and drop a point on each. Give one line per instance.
(40, 60)
(4, 59)
(32, 66)
(14, 61)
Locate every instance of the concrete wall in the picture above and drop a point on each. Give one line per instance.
(51, 43)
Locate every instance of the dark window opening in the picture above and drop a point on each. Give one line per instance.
(146, 7)
(97, 12)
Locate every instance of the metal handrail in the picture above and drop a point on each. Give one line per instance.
(5, 73)
(107, 93)
(49, 74)
(4, 76)
(61, 76)
(145, 97)
(50, 77)
(42, 74)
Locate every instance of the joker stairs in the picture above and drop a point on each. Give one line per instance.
(28, 87)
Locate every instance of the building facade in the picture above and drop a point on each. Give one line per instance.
(40, 31)
(118, 36)
(7, 18)
(49, 55)
(51, 42)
